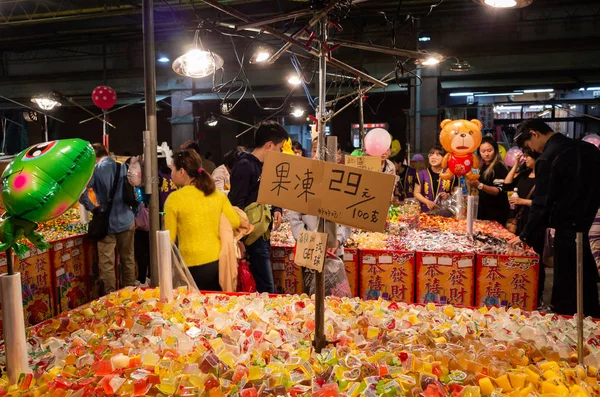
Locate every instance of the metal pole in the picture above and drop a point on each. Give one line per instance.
(320, 340)
(3, 135)
(150, 98)
(579, 242)
(46, 127)
(104, 136)
(361, 115)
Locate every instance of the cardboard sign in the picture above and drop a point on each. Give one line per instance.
(311, 250)
(342, 194)
(368, 163)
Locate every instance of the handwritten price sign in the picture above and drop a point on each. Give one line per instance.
(345, 195)
(364, 162)
(311, 250)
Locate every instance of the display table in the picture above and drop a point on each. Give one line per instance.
(130, 343)
(54, 280)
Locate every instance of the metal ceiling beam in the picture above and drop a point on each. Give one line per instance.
(228, 10)
(275, 19)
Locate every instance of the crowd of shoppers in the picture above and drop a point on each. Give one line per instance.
(554, 177)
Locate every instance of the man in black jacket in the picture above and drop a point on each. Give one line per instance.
(566, 198)
(245, 181)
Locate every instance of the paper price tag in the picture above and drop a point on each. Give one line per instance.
(311, 250)
(368, 163)
(385, 260)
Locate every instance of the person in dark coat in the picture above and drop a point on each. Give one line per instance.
(566, 198)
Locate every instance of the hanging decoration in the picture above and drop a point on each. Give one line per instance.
(460, 139)
(104, 97)
(40, 184)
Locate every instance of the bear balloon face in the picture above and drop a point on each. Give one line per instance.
(45, 180)
(460, 137)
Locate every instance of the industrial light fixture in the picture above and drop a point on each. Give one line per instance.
(430, 59)
(46, 101)
(212, 121)
(505, 3)
(537, 91)
(294, 79)
(297, 112)
(593, 89)
(163, 60)
(582, 89)
(261, 55)
(197, 63)
(462, 94)
(460, 66)
(501, 94)
(424, 39)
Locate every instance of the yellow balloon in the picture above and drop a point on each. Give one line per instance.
(287, 147)
(396, 147)
(502, 150)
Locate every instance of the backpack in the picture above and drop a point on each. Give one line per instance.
(129, 196)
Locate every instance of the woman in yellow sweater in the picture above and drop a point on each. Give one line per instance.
(193, 214)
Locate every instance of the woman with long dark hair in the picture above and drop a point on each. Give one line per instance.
(193, 215)
(493, 202)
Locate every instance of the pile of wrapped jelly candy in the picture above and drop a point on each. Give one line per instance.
(66, 225)
(131, 344)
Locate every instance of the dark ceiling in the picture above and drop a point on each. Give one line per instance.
(58, 40)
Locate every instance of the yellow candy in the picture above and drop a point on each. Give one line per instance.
(532, 376)
(449, 311)
(550, 374)
(372, 332)
(517, 380)
(486, 386)
(504, 383)
(414, 320)
(549, 387)
(549, 365)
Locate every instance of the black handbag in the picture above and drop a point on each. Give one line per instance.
(98, 226)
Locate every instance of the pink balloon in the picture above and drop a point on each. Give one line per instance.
(594, 139)
(377, 141)
(511, 156)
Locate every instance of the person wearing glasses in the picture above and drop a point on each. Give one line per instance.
(429, 185)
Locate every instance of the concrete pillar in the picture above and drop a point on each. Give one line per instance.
(424, 134)
(182, 118)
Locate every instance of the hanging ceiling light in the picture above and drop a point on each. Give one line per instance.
(294, 79)
(297, 112)
(460, 66)
(261, 55)
(431, 60)
(46, 101)
(505, 3)
(212, 121)
(197, 63)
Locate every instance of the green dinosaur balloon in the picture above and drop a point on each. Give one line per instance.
(40, 184)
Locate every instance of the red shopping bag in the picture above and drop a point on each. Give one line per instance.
(246, 282)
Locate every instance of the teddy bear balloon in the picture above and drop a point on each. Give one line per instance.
(460, 139)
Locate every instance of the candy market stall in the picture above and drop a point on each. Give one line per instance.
(131, 344)
(56, 279)
(422, 258)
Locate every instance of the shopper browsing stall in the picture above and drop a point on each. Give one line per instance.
(245, 181)
(121, 226)
(493, 201)
(428, 184)
(524, 184)
(193, 214)
(566, 198)
(222, 174)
